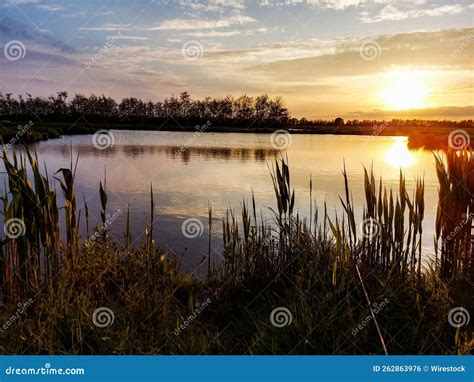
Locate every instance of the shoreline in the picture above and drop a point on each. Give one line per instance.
(428, 137)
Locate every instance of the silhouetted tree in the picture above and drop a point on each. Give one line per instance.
(244, 111)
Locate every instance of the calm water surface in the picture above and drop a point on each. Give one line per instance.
(222, 169)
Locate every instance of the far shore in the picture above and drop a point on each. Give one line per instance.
(429, 137)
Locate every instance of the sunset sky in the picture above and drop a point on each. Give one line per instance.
(348, 58)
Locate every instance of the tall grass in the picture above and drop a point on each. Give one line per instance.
(32, 252)
(454, 236)
(388, 240)
(329, 272)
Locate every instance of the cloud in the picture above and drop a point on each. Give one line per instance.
(213, 5)
(393, 13)
(13, 29)
(269, 53)
(188, 24)
(109, 27)
(50, 8)
(331, 4)
(76, 15)
(214, 33)
(16, 3)
(446, 49)
(127, 37)
(35, 53)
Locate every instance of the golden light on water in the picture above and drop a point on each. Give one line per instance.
(398, 155)
(406, 90)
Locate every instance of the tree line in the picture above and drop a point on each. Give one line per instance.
(244, 110)
(374, 123)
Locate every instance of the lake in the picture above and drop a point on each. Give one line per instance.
(189, 171)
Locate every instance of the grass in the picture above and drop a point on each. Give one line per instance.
(29, 132)
(455, 214)
(347, 291)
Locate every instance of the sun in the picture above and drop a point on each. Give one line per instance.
(406, 90)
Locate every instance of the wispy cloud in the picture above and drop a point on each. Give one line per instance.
(332, 4)
(108, 27)
(394, 13)
(50, 7)
(15, 3)
(129, 38)
(188, 24)
(236, 32)
(213, 5)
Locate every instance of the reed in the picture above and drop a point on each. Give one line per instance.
(454, 235)
(388, 239)
(31, 249)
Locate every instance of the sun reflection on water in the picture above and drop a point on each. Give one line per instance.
(398, 154)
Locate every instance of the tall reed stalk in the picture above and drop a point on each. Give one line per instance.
(454, 220)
